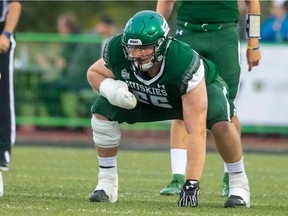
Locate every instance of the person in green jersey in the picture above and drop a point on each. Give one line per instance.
(143, 78)
(210, 28)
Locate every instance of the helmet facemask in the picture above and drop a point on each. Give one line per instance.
(155, 56)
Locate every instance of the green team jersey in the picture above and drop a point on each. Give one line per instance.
(160, 98)
(214, 12)
(177, 72)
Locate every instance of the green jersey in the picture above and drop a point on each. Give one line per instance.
(177, 72)
(214, 12)
(159, 98)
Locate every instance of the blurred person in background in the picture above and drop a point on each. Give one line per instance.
(275, 27)
(106, 27)
(286, 6)
(83, 58)
(86, 53)
(210, 27)
(10, 12)
(54, 79)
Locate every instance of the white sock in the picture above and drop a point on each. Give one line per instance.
(235, 167)
(178, 161)
(107, 161)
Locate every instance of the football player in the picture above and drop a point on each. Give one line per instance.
(214, 35)
(146, 76)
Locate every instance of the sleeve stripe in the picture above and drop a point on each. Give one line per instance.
(197, 77)
(192, 74)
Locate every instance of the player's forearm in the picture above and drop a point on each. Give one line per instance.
(253, 6)
(12, 17)
(195, 105)
(196, 152)
(165, 7)
(195, 123)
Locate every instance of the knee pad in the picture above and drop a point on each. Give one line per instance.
(106, 134)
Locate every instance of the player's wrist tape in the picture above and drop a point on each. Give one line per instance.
(7, 34)
(117, 93)
(253, 48)
(253, 25)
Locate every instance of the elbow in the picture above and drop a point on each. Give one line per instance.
(91, 78)
(89, 75)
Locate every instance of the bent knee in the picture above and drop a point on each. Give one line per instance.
(106, 134)
(222, 126)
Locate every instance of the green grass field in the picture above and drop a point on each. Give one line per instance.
(57, 181)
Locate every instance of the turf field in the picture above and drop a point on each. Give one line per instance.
(57, 181)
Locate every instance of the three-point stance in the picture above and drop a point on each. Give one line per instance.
(146, 76)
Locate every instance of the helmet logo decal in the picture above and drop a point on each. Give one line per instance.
(125, 74)
(134, 42)
(165, 27)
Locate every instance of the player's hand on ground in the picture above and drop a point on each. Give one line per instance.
(189, 194)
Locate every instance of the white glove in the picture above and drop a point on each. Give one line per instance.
(117, 93)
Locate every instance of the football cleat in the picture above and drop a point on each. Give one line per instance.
(235, 202)
(239, 192)
(98, 196)
(225, 191)
(175, 186)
